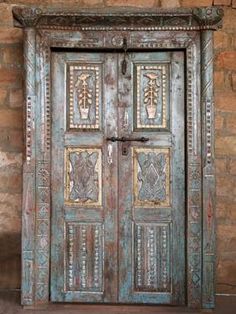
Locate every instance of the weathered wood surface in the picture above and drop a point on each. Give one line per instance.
(151, 219)
(208, 297)
(28, 213)
(37, 169)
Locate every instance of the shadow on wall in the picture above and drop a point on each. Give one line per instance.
(10, 260)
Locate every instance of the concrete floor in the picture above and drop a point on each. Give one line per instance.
(10, 304)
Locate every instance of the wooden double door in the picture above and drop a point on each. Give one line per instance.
(118, 177)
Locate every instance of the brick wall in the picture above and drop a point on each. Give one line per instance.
(11, 143)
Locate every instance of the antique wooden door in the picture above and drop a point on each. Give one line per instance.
(118, 177)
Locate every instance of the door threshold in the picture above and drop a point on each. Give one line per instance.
(115, 308)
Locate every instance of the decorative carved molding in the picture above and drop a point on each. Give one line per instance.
(84, 269)
(151, 176)
(152, 257)
(151, 98)
(85, 96)
(83, 179)
(112, 19)
(42, 230)
(208, 296)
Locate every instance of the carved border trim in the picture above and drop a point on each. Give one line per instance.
(28, 212)
(118, 19)
(42, 170)
(208, 178)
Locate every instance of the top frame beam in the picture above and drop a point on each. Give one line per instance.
(204, 18)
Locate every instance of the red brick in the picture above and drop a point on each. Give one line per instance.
(9, 35)
(11, 140)
(170, 3)
(219, 121)
(7, 159)
(10, 179)
(220, 165)
(10, 76)
(225, 145)
(233, 81)
(92, 2)
(226, 60)
(226, 270)
(10, 212)
(194, 3)
(6, 14)
(222, 2)
(225, 212)
(221, 40)
(13, 55)
(3, 96)
(225, 186)
(226, 238)
(225, 101)
(219, 80)
(11, 119)
(16, 98)
(232, 167)
(231, 123)
(10, 266)
(229, 20)
(135, 3)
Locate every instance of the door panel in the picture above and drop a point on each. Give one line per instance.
(84, 228)
(118, 207)
(152, 200)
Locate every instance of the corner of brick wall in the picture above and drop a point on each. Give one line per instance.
(11, 147)
(225, 125)
(11, 133)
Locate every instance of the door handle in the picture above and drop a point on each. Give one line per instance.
(109, 154)
(127, 139)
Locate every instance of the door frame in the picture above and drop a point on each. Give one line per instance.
(190, 30)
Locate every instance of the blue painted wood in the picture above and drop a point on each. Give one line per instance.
(90, 213)
(84, 229)
(91, 33)
(151, 218)
(208, 293)
(29, 193)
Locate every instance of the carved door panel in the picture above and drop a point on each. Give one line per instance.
(118, 206)
(84, 202)
(152, 200)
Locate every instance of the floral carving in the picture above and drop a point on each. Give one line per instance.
(151, 94)
(84, 94)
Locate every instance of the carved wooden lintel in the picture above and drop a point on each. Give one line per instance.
(120, 19)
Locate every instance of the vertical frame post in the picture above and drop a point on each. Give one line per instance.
(42, 170)
(28, 214)
(208, 179)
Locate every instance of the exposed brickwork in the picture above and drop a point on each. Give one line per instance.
(11, 133)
